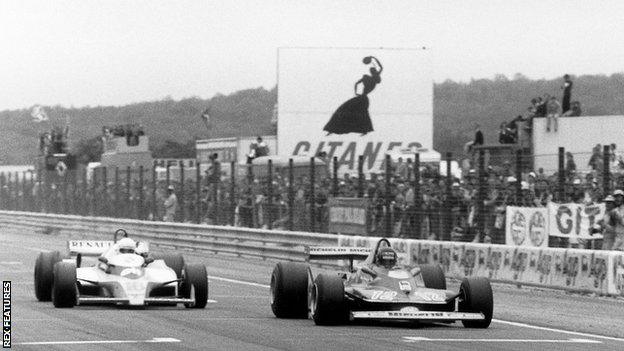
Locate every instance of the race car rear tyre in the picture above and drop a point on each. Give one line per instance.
(175, 262)
(64, 289)
(195, 284)
(327, 301)
(433, 276)
(289, 290)
(44, 274)
(475, 295)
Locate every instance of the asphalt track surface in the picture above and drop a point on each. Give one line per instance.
(241, 318)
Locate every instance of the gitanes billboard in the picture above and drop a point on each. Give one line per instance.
(349, 102)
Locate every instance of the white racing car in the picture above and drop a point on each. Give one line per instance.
(123, 274)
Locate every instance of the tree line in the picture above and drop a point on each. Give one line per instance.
(173, 125)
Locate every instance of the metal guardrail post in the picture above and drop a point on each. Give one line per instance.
(417, 197)
(233, 197)
(360, 192)
(606, 175)
(482, 183)
(388, 199)
(127, 195)
(153, 204)
(312, 199)
(92, 206)
(182, 201)
(335, 176)
(448, 211)
(269, 210)
(518, 175)
(291, 195)
(140, 202)
(105, 198)
(84, 199)
(33, 202)
(198, 193)
(561, 176)
(116, 212)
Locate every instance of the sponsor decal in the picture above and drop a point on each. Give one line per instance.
(383, 295)
(432, 296)
(537, 229)
(405, 285)
(518, 225)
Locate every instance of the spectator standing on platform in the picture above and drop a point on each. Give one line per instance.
(540, 109)
(618, 214)
(570, 165)
(553, 110)
(567, 93)
(171, 205)
(608, 224)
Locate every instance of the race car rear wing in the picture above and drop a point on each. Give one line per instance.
(88, 247)
(338, 253)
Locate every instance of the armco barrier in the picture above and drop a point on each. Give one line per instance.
(232, 240)
(601, 272)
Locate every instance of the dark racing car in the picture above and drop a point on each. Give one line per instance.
(378, 289)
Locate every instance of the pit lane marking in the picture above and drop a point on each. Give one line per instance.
(413, 339)
(524, 325)
(83, 342)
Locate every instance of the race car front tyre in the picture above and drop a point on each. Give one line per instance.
(175, 262)
(433, 276)
(44, 274)
(289, 290)
(327, 300)
(475, 295)
(195, 284)
(64, 289)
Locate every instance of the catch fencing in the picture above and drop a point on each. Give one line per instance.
(407, 198)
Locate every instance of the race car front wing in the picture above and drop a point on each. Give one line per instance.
(146, 301)
(421, 315)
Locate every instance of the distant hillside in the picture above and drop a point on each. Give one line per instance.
(457, 106)
(245, 113)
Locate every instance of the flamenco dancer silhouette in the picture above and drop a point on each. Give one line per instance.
(352, 116)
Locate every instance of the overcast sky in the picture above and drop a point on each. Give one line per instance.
(113, 52)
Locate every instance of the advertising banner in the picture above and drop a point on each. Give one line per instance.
(601, 272)
(527, 226)
(348, 102)
(347, 215)
(574, 221)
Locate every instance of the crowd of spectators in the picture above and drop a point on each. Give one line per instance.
(54, 141)
(442, 212)
(546, 106)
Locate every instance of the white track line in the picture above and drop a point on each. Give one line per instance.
(81, 342)
(238, 281)
(597, 336)
(524, 325)
(413, 339)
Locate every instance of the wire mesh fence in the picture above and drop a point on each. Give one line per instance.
(408, 199)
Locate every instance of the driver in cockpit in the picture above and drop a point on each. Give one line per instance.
(126, 246)
(386, 258)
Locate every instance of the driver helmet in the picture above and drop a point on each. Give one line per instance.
(126, 245)
(387, 257)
